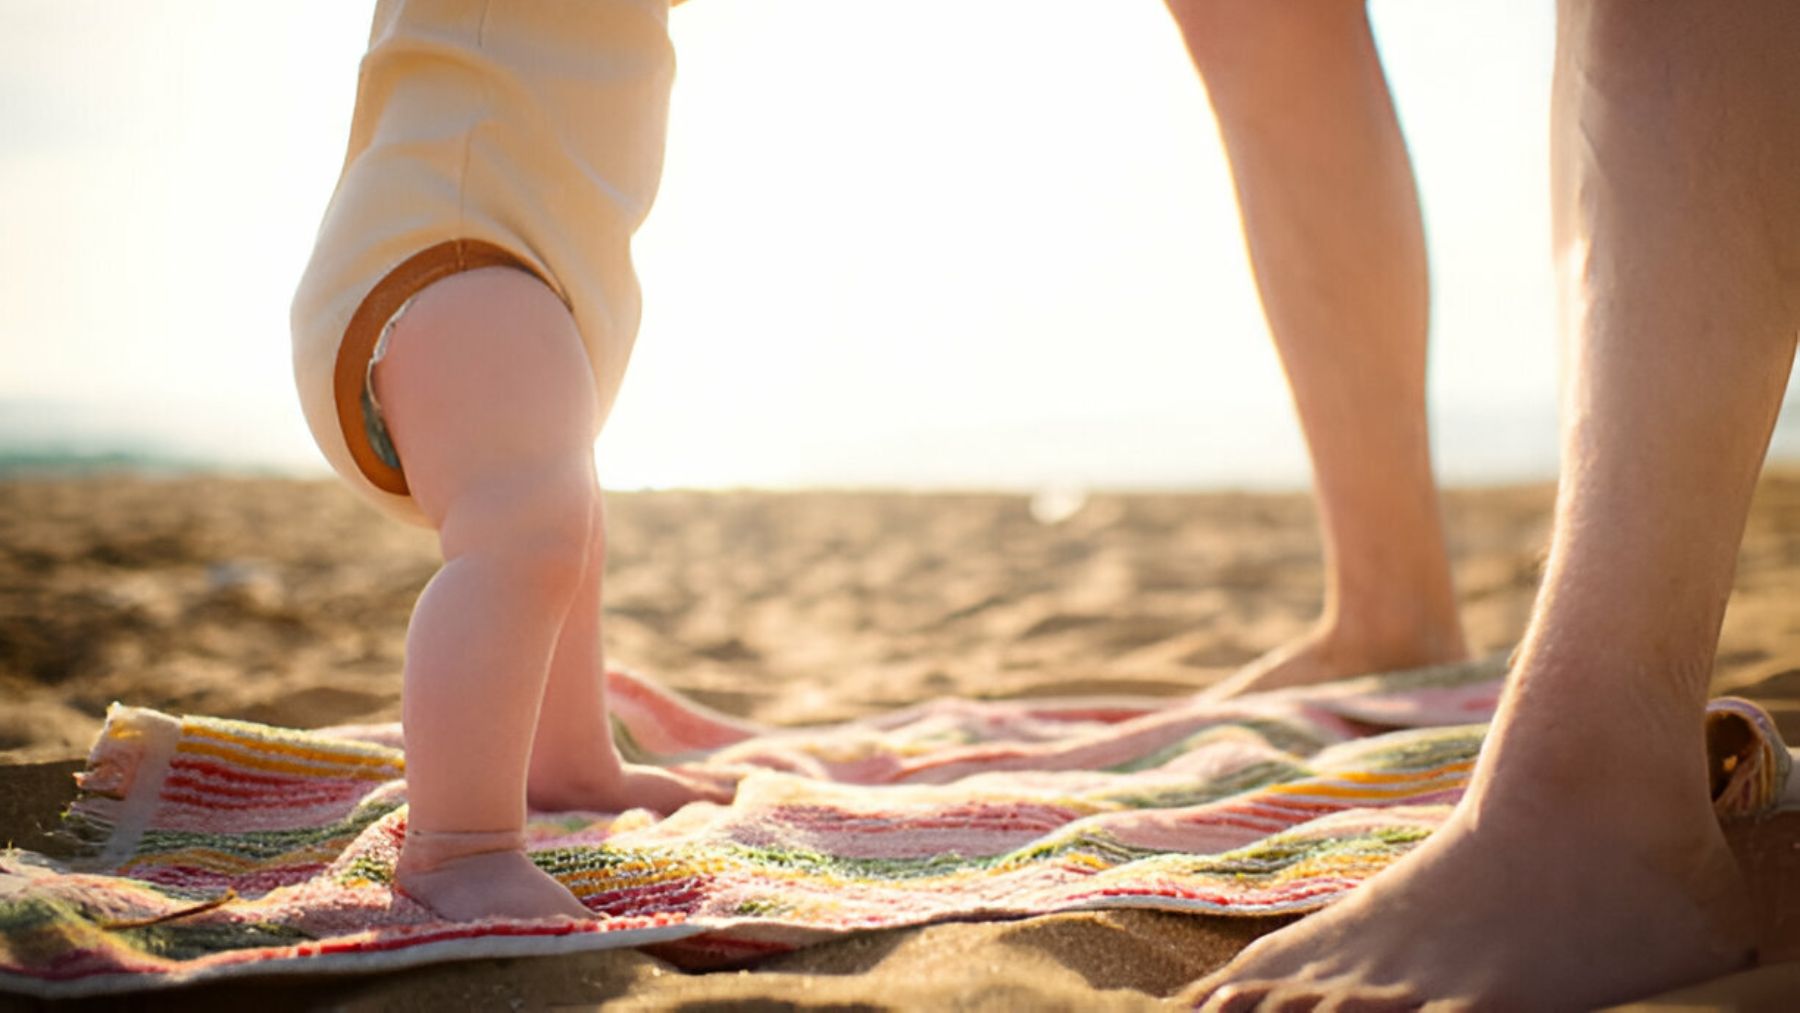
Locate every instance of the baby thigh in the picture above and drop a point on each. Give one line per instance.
(485, 386)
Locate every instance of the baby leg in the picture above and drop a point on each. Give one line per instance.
(489, 398)
(574, 763)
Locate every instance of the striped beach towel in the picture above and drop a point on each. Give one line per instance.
(218, 848)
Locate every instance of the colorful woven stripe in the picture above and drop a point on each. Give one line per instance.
(223, 848)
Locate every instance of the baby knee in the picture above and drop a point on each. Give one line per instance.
(541, 525)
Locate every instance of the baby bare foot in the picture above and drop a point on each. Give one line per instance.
(625, 786)
(1519, 907)
(1325, 654)
(462, 877)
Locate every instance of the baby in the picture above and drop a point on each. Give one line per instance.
(459, 335)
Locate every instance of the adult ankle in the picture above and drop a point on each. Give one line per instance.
(1583, 772)
(1390, 639)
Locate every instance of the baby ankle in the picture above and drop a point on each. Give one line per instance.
(426, 850)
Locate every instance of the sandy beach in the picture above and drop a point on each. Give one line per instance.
(285, 602)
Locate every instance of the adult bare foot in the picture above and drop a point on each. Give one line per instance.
(460, 881)
(1521, 901)
(1326, 653)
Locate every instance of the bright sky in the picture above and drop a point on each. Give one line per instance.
(940, 242)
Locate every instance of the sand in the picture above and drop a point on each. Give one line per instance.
(286, 602)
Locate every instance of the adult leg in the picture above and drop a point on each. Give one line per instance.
(489, 398)
(1585, 866)
(1331, 217)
